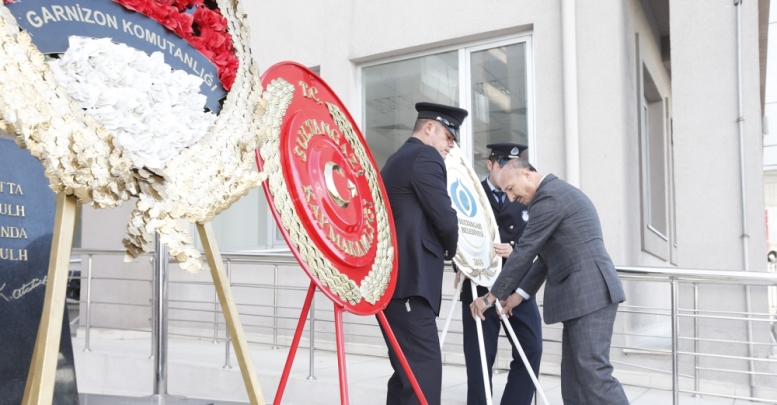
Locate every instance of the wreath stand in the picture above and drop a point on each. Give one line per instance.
(39, 389)
(339, 309)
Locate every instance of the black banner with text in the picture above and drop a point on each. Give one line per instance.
(27, 208)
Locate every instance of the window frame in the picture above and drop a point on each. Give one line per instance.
(662, 245)
(465, 51)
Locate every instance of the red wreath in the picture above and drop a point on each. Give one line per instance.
(205, 29)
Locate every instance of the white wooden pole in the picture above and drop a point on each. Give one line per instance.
(520, 351)
(479, 323)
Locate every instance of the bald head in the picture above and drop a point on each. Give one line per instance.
(519, 179)
(519, 164)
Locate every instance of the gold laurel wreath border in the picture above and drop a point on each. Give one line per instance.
(374, 285)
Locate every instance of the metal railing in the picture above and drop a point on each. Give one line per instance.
(675, 277)
(267, 323)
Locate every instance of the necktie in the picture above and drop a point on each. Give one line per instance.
(499, 194)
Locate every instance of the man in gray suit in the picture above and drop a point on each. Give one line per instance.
(583, 289)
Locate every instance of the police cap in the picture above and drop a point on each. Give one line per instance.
(506, 150)
(450, 117)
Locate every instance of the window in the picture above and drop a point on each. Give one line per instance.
(655, 128)
(391, 91)
(491, 80)
(244, 225)
(498, 100)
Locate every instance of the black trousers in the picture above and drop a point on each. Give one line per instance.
(416, 332)
(528, 328)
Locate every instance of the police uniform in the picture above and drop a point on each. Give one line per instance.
(511, 217)
(427, 232)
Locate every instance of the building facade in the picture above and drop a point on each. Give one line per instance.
(633, 101)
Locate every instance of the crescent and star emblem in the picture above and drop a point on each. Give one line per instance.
(329, 169)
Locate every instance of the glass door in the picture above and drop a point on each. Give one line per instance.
(500, 98)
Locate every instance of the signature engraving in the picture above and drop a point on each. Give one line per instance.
(33, 284)
(3, 295)
(24, 289)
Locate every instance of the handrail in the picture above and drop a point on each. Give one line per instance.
(277, 258)
(681, 274)
(104, 252)
(701, 275)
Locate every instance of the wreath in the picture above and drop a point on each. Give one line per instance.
(109, 122)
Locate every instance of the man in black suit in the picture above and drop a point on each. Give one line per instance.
(427, 232)
(511, 217)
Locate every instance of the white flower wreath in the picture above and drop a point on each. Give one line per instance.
(151, 110)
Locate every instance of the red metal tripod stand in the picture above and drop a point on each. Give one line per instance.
(339, 309)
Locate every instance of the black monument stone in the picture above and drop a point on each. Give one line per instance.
(27, 208)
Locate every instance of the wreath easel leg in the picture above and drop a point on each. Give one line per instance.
(295, 344)
(341, 368)
(39, 389)
(229, 309)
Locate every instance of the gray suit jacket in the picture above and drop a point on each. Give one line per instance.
(564, 231)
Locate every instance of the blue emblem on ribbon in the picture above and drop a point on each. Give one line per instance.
(463, 199)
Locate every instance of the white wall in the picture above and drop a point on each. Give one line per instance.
(770, 101)
(704, 85)
(706, 138)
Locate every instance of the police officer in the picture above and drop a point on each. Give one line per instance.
(427, 232)
(511, 217)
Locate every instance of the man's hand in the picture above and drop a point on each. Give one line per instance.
(513, 301)
(479, 306)
(503, 249)
(456, 280)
